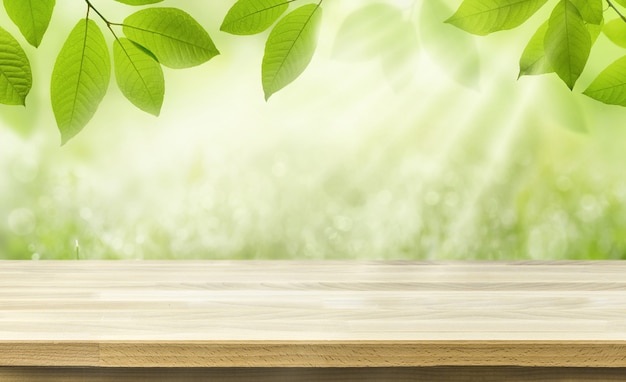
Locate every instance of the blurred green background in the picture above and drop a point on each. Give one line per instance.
(357, 159)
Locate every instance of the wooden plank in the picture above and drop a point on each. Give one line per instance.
(307, 354)
(364, 354)
(44, 353)
(425, 374)
(304, 314)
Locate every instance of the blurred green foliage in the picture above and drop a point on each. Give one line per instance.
(342, 164)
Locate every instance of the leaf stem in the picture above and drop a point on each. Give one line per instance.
(106, 21)
(611, 5)
(90, 6)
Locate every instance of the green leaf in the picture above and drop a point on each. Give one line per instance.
(31, 17)
(139, 2)
(567, 43)
(15, 74)
(595, 30)
(369, 32)
(590, 10)
(248, 17)
(621, 2)
(175, 38)
(80, 78)
(290, 47)
(534, 60)
(615, 30)
(610, 85)
(139, 76)
(482, 17)
(454, 50)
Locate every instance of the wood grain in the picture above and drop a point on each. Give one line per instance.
(312, 314)
(421, 374)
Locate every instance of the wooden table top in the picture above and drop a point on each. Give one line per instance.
(310, 314)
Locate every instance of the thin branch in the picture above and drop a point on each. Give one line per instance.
(97, 12)
(611, 5)
(107, 22)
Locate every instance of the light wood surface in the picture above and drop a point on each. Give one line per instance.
(312, 314)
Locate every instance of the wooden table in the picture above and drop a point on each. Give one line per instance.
(312, 321)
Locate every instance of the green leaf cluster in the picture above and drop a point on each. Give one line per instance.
(291, 43)
(561, 44)
(153, 37)
(137, 48)
(144, 42)
(32, 18)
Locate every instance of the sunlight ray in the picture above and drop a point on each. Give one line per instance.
(465, 227)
